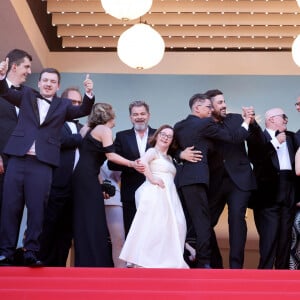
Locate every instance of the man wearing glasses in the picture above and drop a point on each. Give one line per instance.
(274, 200)
(198, 130)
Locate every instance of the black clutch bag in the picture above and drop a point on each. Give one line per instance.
(108, 188)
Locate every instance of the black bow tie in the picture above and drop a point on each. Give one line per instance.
(15, 87)
(42, 98)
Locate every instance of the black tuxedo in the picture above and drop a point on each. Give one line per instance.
(8, 121)
(193, 178)
(57, 234)
(126, 145)
(273, 203)
(45, 135)
(28, 177)
(231, 182)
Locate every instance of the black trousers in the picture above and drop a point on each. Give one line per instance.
(274, 225)
(57, 234)
(129, 210)
(27, 181)
(237, 201)
(196, 203)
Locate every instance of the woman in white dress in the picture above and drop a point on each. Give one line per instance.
(157, 235)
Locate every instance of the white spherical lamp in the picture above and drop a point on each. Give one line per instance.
(126, 9)
(141, 47)
(296, 51)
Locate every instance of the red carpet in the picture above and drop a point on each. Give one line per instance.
(146, 284)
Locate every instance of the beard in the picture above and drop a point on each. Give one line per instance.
(140, 127)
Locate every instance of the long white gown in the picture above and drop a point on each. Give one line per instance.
(157, 235)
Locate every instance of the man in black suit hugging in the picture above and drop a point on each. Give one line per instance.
(199, 130)
(232, 180)
(34, 149)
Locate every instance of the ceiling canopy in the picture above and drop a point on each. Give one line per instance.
(185, 25)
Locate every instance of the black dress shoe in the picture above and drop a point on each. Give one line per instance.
(5, 261)
(205, 266)
(31, 260)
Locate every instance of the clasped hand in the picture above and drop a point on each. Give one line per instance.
(248, 114)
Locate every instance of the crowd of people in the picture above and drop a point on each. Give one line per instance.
(149, 197)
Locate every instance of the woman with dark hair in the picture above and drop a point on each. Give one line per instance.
(90, 230)
(157, 235)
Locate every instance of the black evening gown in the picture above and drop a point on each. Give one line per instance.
(91, 237)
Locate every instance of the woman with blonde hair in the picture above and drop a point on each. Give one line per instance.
(92, 248)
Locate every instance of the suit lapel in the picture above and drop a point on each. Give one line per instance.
(289, 143)
(67, 127)
(133, 143)
(35, 107)
(274, 156)
(53, 106)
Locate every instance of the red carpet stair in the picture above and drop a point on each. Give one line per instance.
(146, 284)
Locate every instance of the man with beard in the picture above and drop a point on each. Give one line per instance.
(231, 181)
(132, 144)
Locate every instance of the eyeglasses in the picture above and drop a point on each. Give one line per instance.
(283, 116)
(166, 136)
(297, 104)
(207, 106)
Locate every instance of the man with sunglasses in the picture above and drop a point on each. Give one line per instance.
(274, 200)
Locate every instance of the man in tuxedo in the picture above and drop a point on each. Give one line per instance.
(231, 181)
(199, 130)
(18, 70)
(56, 237)
(33, 149)
(274, 201)
(132, 144)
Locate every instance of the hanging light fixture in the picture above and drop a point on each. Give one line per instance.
(126, 9)
(141, 47)
(296, 50)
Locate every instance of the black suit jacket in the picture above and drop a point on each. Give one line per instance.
(200, 133)
(232, 159)
(69, 143)
(266, 170)
(29, 129)
(126, 145)
(8, 121)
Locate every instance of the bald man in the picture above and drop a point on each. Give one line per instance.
(274, 201)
